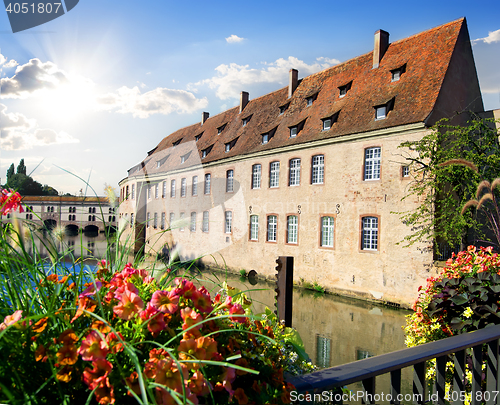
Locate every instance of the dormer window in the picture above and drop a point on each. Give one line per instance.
(265, 138)
(158, 163)
(246, 120)
(185, 157)
(329, 121)
(381, 111)
(294, 131)
(228, 146)
(283, 108)
(220, 129)
(206, 151)
(268, 135)
(344, 89)
(310, 99)
(176, 143)
(197, 137)
(396, 73)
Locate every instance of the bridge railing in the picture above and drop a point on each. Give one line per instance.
(366, 371)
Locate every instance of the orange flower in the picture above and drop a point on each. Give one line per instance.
(105, 393)
(93, 347)
(133, 383)
(64, 374)
(41, 354)
(94, 377)
(67, 354)
(40, 325)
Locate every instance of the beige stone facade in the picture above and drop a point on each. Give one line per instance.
(213, 190)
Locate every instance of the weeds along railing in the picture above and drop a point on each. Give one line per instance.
(366, 371)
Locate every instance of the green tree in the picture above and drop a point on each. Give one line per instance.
(21, 168)
(443, 189)
(10, 171)
(25, 185)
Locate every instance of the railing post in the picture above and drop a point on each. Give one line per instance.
(284, 289)
(492, 372)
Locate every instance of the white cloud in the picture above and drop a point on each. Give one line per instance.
(232, 78)
(234, 39)
(19, 133)
(158, 101)
(10, 64)
(493, 36)
(31, 78)
(3, 59)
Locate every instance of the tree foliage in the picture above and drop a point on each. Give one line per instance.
(443, 189)
(25, 184)
(21, 168)
(10, 171)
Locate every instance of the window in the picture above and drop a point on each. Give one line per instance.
(274, 174)
(148, 219)
(171, 219)
(156, 190)
(381, 111)
(133, 191)
(229, 181)
(283, 108)
(228, 216)
(197, 137)
(164, 190)
(149, 192)
(309, 101)
(126, 195)
(246, 120)
(294, 172)
(204, 226)
(405, 171)
(369, 237)
(207, 183)
(158, 163)
(344, 89)
(131, 220)
(194, 186)
(220, 129)
(318, 169)
(172, 188)
(265, 138)
(192, 226)
(329, 121)
(182, 222)
(227, 147)
(254, 227)
(162, 223)
(256, 174)
(327, 231)
(372, 163)
(294, 131)
(183, 159)
(205, 152)
(292, 229)
(272, 228)
(155, 221)
(396, 73)
(183, 187)
(174, 144)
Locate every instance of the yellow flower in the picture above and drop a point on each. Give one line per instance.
(468, 312)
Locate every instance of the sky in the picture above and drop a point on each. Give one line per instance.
(85, 96)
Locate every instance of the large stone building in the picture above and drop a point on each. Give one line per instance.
(312, 170)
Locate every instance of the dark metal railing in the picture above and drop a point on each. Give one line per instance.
(366, 371)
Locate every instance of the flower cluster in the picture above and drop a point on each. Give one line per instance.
(10, 200)
(131, 338)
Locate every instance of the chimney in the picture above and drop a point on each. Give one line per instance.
(243, 100)
(380, 46)
(293, 81)
(204, 117)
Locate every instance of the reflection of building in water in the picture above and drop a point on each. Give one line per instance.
(323, 351)
(70, 213)
(312, 170)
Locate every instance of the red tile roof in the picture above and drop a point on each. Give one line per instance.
(64, 199)
(426, 55)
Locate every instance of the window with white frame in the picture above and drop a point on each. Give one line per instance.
(162, 222)
(183, 187)
(172, 188)
(318, 169)
(194, 186)
(182, 221)
(228, 221)
(155, 220)
(327, 227)
(294, 172)
(171, 219)
(380, 112)
(372, 163)
(133, 191)
(344, 89)
(204, 226)
(369, 234)
(397, 73)
(292, 228)
(197, 137)
(164, 190)
(192, 227)
(256, 175)
(156, 190)
(254, 227)
(229, 181)
(327, 123)
(274, 174)
(405, 171)
(149, 192)
(207, 183)
(148, 219)
(127, 195)
(272, 228)
(220, 129)
(294, 131)
(265, 138)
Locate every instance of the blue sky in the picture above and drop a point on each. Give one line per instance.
(89, 93)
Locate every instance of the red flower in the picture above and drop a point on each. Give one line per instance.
(10, 200)
(93, 347)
